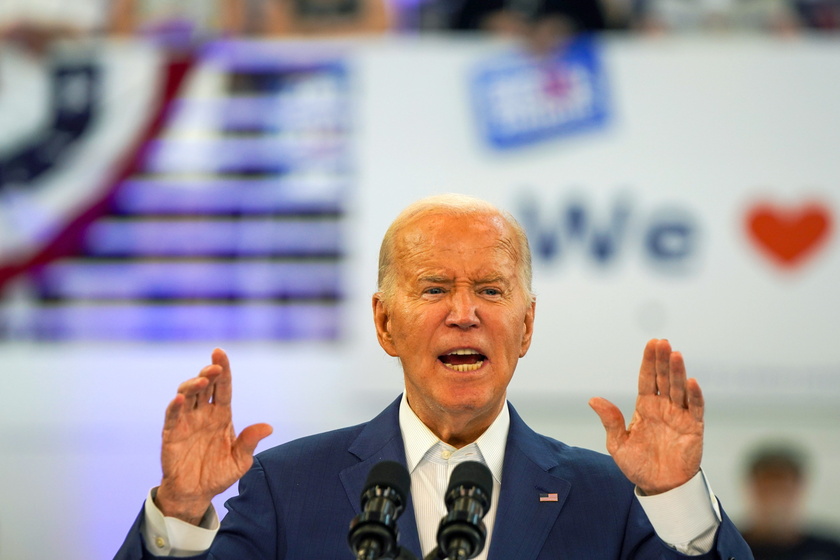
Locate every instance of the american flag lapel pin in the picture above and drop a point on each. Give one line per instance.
(548, 496)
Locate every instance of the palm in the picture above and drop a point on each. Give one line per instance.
(197, 450)
(662, 446)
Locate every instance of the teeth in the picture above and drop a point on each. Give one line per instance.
(464, 367)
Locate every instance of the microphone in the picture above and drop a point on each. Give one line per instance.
(462, 534)
(373, 533)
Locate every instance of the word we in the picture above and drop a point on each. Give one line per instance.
(665, 237)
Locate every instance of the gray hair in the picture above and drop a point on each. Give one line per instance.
(452, 205)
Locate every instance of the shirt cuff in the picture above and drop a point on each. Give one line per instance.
(684, 514)
(173, 538)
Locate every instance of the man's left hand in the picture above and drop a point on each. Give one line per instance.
(662, 447)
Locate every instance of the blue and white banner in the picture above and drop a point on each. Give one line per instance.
(521, 99)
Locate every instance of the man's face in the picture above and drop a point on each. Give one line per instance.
(458, 317)
(777, 494)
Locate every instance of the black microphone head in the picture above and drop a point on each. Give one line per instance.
(472, 474)
(391, 474)
(462, 533)
(373, 533)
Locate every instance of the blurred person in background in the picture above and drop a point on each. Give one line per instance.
(251, 17)
(775, 529)
(178, 21)
(34, 25)
(543, 24)
(319, 18)
(819, 15)
(736, 16)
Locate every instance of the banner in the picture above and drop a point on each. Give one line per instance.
(695, 197)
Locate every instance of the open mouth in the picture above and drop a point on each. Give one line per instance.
(463, 360)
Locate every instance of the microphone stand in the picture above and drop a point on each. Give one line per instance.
(404, 554)
(435, 554)
(438, 554)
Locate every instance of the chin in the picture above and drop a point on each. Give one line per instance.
(466, 401)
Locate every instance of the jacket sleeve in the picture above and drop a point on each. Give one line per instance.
(133, 547)
(729, 545)
(249, 530)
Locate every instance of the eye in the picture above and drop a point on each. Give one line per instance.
(434, 291)
(491, 292)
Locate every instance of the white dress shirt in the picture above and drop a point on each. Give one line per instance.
(686, 517)
(430, 462)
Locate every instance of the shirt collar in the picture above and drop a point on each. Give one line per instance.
(418, 439)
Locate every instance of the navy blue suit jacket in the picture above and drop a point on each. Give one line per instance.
(297, 501)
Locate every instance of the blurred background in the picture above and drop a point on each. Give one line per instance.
(181, 175)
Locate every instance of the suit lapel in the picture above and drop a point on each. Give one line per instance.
(380, 440)
(520, 512)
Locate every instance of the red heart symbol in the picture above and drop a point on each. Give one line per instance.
(788, 235)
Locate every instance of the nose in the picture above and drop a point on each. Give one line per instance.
(463, 312)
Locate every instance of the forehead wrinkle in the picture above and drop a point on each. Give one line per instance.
(507, 246)
(413, 243)
(419, 246)
(490, 278)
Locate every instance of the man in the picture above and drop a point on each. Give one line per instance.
(776, 527)
(455, 306)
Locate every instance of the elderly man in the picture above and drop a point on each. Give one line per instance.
(455, 306)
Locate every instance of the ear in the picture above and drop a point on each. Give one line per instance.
(529, 329)
(382, 322)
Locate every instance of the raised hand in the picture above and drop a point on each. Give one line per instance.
(201, 454)
(662, 447)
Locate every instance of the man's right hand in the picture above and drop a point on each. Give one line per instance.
(201, 454)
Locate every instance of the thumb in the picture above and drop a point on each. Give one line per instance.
(611, 417)
(250, 437)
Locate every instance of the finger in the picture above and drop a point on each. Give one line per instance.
(173, 412)
(194, 389)
(185, 398)
(212, 373)
(663, 367)
(677, 367)
(222, 391)
(612, 420)
(696, 403)
(250, 437)
(647, 372)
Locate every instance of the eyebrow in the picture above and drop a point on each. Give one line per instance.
(493, 280)
(435, 279)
